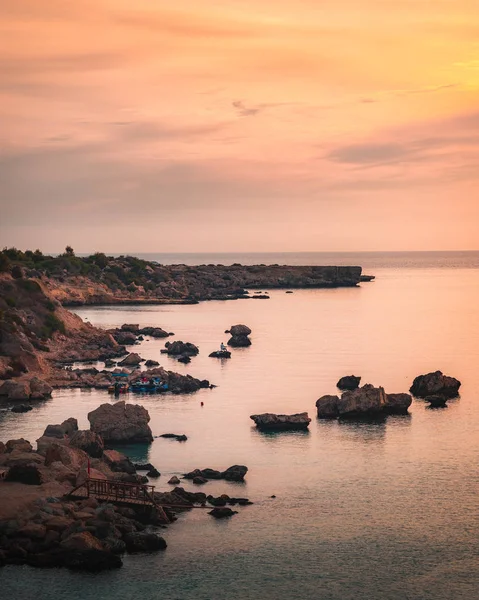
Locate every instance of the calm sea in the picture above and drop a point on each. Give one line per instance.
(363, 511)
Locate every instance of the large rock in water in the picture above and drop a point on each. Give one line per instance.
(364, 401)
(235, 330)
(239, 336)
(435, 383)
(273, 422)
(180, 348)
(327, 407)
(349, 382)
(397, 404)
(132, 360)
(121, 422)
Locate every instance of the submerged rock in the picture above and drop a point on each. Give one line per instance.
(178, 437)
(21, 408)
(349, 382)
(435, 383)
(274, 422)
(233, 473)
(174, 480)
(121, 422)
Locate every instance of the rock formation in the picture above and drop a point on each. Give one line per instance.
(121, 423)
(239, 336)
(273, 422)
(435, 383)
(220, 354)
(349, 382)
(179, 348)
(132, 360)
(361, 402)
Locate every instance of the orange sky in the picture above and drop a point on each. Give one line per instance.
(265, 125)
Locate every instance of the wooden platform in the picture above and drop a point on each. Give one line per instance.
(117, 492)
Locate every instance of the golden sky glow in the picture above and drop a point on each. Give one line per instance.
(240, 125)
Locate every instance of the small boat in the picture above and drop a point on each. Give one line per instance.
(120, 385)
(153, 385)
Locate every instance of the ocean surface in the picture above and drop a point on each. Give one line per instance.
(385, 510)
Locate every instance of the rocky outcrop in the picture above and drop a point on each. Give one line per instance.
(174, 480)
(366, 400)
(274, 422)
(327, 407)
(21, 408)
(118, 462)
(121, 423)
(73, 458)
(397, 404)
(179, 348)
(156, 332)
(144, 541)
(31, 388)
(90, 442)
(435, 383)
(132, 360)
(348, 382)
(20, 445)
(130, 328)
(151, 363)
(220, 354)
(362, 402)
(239, 336)
(234, 473)
(125, 338)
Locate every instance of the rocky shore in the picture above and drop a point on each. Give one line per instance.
(48, 518)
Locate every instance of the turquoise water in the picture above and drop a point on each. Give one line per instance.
(364, 511)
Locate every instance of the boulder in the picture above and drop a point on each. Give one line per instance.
(184, 359)
(397, 404)
(70, 425)
(21, 408)
(156, 332)
(327, 407)
(435, 383)
(29, 474)
(174, 480)
(349, 382)
(151, 363)
(118, 462)
(131, 328)
(273, 422)
(125, 338)
(220, 354)
(15, 390)
(88, 441)
(54, 431)
(179, 348)
(132, 360)
(436, 400)
(39, 389)
(121, 423)
(364, 401)
(34, 531)
(154, 473)
(199, 480)
(222, 512)
(44, 442)
(81, 542)
(73, 458)
(143, 541)
(19, 445)
(236, 330)
(235, 473)
(239, 341)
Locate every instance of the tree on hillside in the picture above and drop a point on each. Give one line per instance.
(69, 251)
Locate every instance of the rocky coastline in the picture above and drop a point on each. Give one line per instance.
(100, 279)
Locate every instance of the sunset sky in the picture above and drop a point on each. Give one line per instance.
(239, 125)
